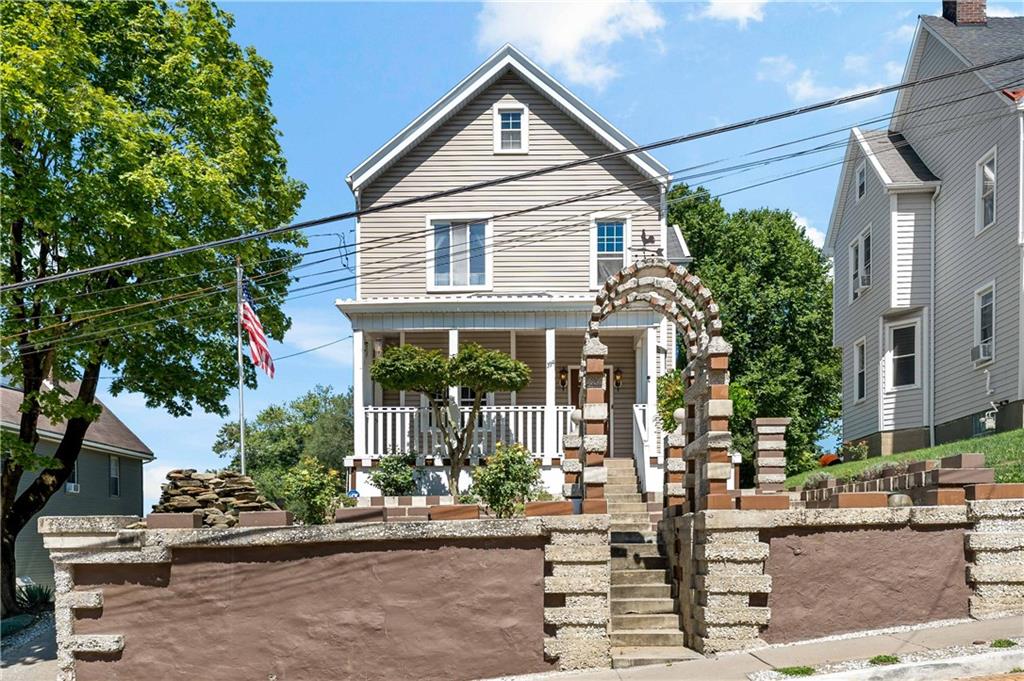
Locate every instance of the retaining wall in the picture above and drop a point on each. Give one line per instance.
(425, 600)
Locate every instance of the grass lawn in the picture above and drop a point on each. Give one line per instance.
(1003, 452)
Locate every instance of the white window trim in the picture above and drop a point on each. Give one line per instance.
(861, 169)
(978, 293)
(990, 155)
(857, 368)
(488, 251)
(918, 356)
(859, 242)
(627, 233)
(496, 125)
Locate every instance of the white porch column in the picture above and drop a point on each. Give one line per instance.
(550, 414)
(358, 415)
(651, 346)
(401, 393)
(453, 349)
(512, 353)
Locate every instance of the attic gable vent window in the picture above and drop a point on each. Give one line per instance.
(862, 182)
(511, 129)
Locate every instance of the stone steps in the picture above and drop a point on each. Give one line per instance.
(640, 591)
(666, 620)
(648, 637)
(633, 549)
(618, 463)
(620, 536)
(643, 519)
(617, 507)
(637, 576)
(631, 498)
(624, 657)
(645, 606)
(627, 488)
(640, 562)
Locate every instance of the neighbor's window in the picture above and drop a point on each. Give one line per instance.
(511, 129)
(859, 371)
(71, 484)
(985, 192)
(860, 264)
(862, 181)
(609, 254)
(903, 356)
(460, 253)
(115, 476)
(984, 325)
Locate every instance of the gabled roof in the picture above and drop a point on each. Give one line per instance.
(676, 250)
(508, 58)
(998, 38)
(107, 433)
(891, 158)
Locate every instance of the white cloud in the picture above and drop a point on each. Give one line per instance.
(775, 69)
(893, 71)
(856, 63)
(306, 335)
(816, 236)
(902, 34)
(153, 475)
(573, 37)
(803, 85)
(734, 10)
(999, 11)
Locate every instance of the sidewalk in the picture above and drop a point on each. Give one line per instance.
(736, 666)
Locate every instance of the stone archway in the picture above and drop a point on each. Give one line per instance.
(697, 463)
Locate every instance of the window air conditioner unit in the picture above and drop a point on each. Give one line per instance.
(981, 352)
(865, 280)
(71, 487)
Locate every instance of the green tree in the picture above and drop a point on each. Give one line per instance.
(433, 374)
(774, 288)
(128, 128)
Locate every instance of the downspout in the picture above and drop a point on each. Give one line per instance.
(931, 323)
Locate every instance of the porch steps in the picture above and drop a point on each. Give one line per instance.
(644, 624)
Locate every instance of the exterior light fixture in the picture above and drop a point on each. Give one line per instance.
(617, 377)
(563, 377)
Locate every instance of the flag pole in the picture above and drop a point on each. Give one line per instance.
(241, 372)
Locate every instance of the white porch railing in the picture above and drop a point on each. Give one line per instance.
(640, 442)
(564, 424)
(411, 429)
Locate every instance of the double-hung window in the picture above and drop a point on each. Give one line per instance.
(511, 129)
(860, 264)
(608, 249)
(115, 476)
(904, 365)
(859, 371)
(862, 181)
(985, 192)
(459, 254)
(984, 325)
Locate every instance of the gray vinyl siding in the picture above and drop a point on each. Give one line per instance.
(963, 261)
(912, 250)
(859, 318)
(530, 349)
(94, 499)
(541, 250)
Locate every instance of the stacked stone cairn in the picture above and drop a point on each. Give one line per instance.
(219, 497)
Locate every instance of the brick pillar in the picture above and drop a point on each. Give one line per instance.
(769, 454)
(712, 447)
(594, 426)
(677, 500)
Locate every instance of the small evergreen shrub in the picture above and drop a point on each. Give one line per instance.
(795, 671)
(507, 480)
(312, 491)
(395, 475)
(884, 659)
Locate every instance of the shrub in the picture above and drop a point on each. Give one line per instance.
(814, 479)
(349, 502)
(884, 659)
(1002, 643)
(33, 598)
(802, 461)
(394, 475)
(312, 491)
(469, 497)
(854, 451)
(507, 480)
(795, 671)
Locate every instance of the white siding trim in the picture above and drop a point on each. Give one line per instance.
(511, 105)
(894, 262)
(488, 284)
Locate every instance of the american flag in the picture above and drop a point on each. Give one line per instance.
(257, 339)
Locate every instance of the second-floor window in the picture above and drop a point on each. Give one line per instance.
(511, 129)
(985, 192)
(860, 264)
(859, 371)
(984, 325)
(903, 356)
(460, 254)
(608, 254)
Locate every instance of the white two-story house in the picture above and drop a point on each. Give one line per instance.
(514, 267)
(927, 240)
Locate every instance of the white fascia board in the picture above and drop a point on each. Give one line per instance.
(471, 85)
(51, 436)
(839, 202)
(526, 303)
(872, 157)
(909, 73)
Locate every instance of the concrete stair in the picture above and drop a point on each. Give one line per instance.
(645, 626)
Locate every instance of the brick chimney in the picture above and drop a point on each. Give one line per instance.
(965, 12)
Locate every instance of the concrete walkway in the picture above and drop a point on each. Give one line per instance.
(736, 666)
(31, 660)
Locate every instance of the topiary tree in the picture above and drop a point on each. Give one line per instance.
(433, 374)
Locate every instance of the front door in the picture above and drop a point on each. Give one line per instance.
(574, 400)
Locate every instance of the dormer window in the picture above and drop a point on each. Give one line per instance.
(511, 129)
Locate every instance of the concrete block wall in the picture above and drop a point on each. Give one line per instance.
(995, 546)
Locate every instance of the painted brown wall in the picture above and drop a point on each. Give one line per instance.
(834, 581)
(424, 610)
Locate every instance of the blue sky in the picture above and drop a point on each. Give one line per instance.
(348, 76)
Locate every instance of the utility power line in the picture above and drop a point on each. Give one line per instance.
(750, 122)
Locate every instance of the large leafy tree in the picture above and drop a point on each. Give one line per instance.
(433, 374)
(774, 288)
(128, 128)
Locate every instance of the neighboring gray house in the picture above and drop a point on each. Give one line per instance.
(107, 478)
(927, 241)
(488, 267)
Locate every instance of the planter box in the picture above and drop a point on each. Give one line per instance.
(366, 514)
(455, 512)
(534, 508)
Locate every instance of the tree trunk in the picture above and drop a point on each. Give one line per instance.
(8, 599)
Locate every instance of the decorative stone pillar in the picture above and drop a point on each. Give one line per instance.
(677, 500)
(769, 454)
(594, 426)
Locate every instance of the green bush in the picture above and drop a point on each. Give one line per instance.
(884, 659)
(507, 480)
(1002, 643)
(33, 598)
(312, 491)
(394, 475)
(853, 451)
(795, 671)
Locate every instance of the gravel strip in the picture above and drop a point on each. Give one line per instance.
(30, 632)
